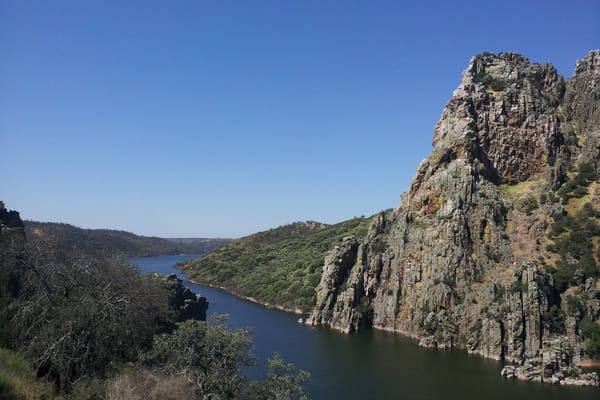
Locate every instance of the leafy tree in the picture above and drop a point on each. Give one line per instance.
(283, 382)
(211, 356)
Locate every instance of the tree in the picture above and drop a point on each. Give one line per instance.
(76, 314)
(211, 356)
(283, 382)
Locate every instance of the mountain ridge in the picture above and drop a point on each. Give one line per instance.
(116, 244)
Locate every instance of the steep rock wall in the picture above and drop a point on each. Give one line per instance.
(456, 264)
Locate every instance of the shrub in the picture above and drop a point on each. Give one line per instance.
(17, 379)
(213, 358)
(591, 330)
(496, 84)
(518, 286)
(499, 294)
(574, 243)
(554, 319)
(575, 306)
(283, 382)
(144, 384)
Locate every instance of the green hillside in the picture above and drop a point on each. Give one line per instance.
(281, 266)
(114, 244)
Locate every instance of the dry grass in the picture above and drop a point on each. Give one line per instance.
(142, 384)
(521, 188)
(16, 373)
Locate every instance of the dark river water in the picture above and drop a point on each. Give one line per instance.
(369, 364)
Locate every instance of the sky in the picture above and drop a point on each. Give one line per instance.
(223, 118)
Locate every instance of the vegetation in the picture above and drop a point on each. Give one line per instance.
(280, 266)
(577, 187)
(146, 384)
(574, 235)
(90, 328)
(18, 380)
(554, 319)
(591, 331)
(493, 83)
(113, 244)
(73, 316)
(213, 358)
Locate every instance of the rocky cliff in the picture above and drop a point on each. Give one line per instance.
(185, 303)
(482, 252)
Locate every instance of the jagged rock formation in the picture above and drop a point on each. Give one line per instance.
(463, 260)
(186, 304)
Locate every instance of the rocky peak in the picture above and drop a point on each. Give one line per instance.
(590, 64)
(503, 115)
(9, 219)
(582, 109)
(457, 263)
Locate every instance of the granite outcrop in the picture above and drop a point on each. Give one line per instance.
(470, 258)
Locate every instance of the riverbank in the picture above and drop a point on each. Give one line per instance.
(367, 364)
(584, 379)
(231, 292)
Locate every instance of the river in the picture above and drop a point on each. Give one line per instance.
(369, 364)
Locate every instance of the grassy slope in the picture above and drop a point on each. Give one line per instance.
(18, 381)
(281, 266)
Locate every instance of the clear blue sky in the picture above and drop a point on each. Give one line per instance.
(223, 118)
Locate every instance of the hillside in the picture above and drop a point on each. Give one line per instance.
(280, 267)
(76, 326)
(115, 244)
(495, 247)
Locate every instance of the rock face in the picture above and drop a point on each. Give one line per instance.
(460, 262)
(187, 304)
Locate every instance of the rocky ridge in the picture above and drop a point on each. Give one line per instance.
(464, 260)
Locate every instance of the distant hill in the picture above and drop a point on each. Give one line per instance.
(279, 267)
(114, 244)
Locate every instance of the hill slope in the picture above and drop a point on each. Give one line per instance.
(114, 244)
(280, 267)
(495, 246)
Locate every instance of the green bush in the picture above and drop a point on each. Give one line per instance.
(496, 84)
(591, 330)
(554, 319)
(573, 241)
(563, 275)
(518, 286)
(213, 358)
(577, 187)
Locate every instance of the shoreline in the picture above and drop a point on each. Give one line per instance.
(585, 365)
(295, 311)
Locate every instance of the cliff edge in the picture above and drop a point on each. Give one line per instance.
(494, 248)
